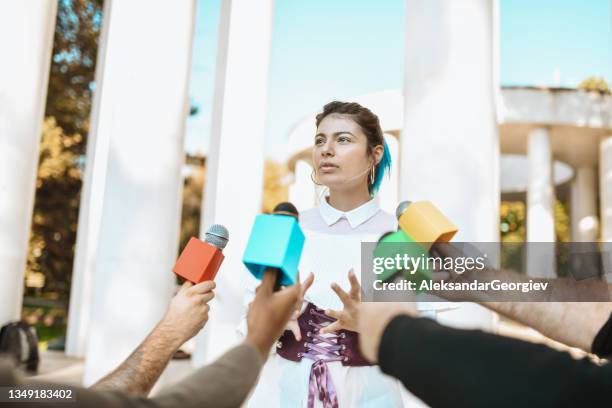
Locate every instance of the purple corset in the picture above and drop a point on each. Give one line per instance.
(342, 346)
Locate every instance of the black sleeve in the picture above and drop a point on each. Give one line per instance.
(602, 344)
(447, 367)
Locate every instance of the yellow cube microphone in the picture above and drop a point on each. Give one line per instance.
(424, 223)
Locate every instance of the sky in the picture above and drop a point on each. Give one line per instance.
(338, 49)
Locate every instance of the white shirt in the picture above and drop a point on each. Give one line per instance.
(365, 219)
(332, 247)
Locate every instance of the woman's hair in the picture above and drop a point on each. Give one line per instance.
(370, 125)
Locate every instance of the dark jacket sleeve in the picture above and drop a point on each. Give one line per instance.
(447, 367)
(224, 383)
(602, 343)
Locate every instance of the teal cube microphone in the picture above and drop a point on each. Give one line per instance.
(276, 242)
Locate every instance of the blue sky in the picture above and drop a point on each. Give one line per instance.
(336, 49)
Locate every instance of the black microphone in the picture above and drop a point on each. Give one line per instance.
(286, 208)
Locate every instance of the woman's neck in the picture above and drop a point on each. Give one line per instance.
(347, 200)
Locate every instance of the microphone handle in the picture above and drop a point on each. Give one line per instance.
(277, 283)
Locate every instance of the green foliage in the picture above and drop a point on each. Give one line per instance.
(595, 84)
(62, 149)
(193, 186)
(75, 48)
(55, 216)
(513, 224)
(275, 188)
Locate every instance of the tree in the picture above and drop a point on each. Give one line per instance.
(193, 187)
(58, 186)
(57, 183)
(71, 79)
(275, 186)
(595, 84)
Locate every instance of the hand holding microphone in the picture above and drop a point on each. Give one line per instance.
(421, 226)
(188, 311)
(198, 264)
(276, 244)
(269, 313)
(200, 261)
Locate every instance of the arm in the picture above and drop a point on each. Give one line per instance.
(292, 325)
(474, 369)
(550, 316)
(225, 383)
(550, 312)
(186, 315)
(573, 323)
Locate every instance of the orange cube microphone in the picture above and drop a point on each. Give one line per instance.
(200, 260)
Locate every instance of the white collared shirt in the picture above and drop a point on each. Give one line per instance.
(332, 247)
(367, 219)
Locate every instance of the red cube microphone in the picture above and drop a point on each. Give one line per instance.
(200, 260)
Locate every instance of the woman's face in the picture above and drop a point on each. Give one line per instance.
(340, 154)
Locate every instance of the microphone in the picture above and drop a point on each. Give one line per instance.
(200, 261)
(402, 248)
(424, 222)
(420, 226)
(275, 243)
(286, 209)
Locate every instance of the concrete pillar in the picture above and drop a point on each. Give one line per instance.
(302, 191)
(605, 202)
(540, 205)
(143, 106)
(449, 149)
(605, 188)
(585, 223)
(388, 192)
(26, 41)
(236, 158)
(90, 212)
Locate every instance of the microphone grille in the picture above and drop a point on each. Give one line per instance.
(286, 209)
(217, 236)
(385, 235)
(401, 208)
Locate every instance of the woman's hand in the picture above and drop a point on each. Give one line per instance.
(293, 321)
(347, 318)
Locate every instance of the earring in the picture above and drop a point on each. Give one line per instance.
(312, 177)
(372, 175)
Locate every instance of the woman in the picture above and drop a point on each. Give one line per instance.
(316, 362)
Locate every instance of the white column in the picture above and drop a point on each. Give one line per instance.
(449, 149)
(90, 212)
(388, 192)
(585, 223)
(605, 200)
(605, 188)
(302, 191)
(235, 160)
(26, 40)
(142, 111)
(540, 205)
